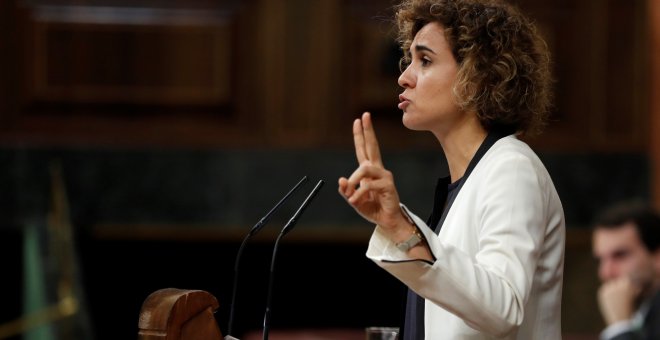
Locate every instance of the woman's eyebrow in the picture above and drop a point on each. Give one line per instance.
(420, 48)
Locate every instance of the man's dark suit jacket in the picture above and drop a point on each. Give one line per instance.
(651, 327)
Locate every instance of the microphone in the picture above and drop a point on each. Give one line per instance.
(255, 229)
(287, 228)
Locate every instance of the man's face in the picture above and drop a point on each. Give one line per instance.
(620, 251)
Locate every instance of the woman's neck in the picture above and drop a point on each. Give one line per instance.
(460, 144)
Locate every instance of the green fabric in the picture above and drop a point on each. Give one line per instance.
(34, 294)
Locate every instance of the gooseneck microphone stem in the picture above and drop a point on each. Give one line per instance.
(233, 293)
(270, 288)
(287, 228)
(255, 229)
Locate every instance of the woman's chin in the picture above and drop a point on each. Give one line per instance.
(409, 122)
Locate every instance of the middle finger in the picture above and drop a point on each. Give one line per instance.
(358, 139)
(370, 140)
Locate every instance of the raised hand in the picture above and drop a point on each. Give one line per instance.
(370, 189)
(616, 299)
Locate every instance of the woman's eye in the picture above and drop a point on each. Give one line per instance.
(425, 61)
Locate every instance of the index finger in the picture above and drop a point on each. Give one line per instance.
(370, 140)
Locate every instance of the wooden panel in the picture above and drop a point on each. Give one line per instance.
(626, 82)
(372, 72)
(300, 65)
(128, 55)
(287, 73)
(6, 24)
(574, 84)
(599, 66)
(130, 76)
(654, 150)
(10, 63)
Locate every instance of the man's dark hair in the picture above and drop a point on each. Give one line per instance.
(643, 217)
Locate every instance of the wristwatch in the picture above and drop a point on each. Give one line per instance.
(412, 241)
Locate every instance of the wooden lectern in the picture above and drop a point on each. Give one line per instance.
(178, 314)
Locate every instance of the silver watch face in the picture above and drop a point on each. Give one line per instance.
(412, 241)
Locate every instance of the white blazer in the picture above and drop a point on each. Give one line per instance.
(499, 255)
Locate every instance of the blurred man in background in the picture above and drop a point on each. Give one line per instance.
(626, 243)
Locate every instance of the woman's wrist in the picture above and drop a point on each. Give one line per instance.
(399, 230)
(416, 238)
(407, 237)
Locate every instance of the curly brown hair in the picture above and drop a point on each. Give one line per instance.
(503, 61)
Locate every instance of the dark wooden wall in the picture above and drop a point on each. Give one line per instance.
(284, 74)
(654, 112)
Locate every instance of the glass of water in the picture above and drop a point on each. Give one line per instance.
(382, 333)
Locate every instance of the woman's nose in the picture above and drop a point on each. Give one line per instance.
(406, 78)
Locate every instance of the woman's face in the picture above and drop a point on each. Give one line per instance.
(428, 102)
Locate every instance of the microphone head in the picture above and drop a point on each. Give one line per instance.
(262, 222)
(292, 222)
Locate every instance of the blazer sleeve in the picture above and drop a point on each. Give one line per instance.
(489, 289)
